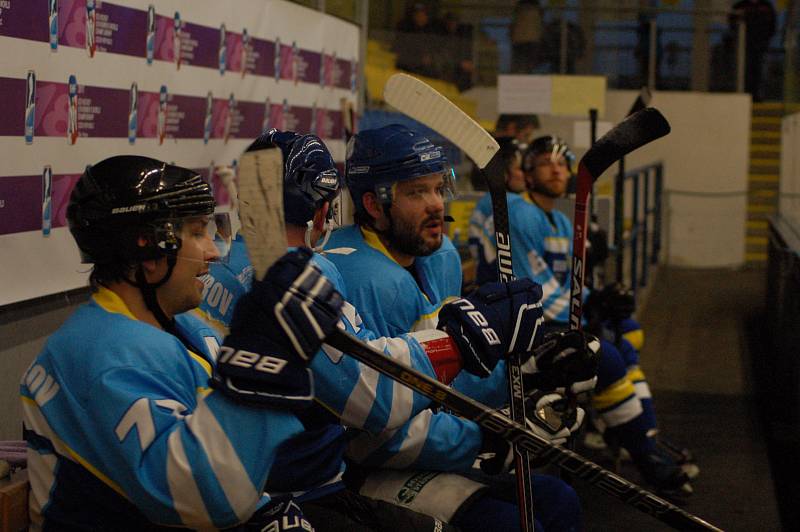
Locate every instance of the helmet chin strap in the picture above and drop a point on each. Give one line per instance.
(148, 291)
(326, 235)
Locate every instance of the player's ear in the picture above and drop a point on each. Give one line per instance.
(372, 205)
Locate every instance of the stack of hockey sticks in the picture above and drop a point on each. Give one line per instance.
(261, 212)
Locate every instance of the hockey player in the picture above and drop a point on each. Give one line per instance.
(132, 420)
(398, 181)
(359, 397)
(543, 235)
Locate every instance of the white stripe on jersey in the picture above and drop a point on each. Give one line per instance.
(623, 412)
(413, 443)
(402, 396)
(642, 390)
(186, 498)
(557, 244)
(42, 475)
(229, 470)
(361, 398)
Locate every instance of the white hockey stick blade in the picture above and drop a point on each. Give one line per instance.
(423, 103)
(261, 207)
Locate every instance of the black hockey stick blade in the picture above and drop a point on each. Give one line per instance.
(632, 133)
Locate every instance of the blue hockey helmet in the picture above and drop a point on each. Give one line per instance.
(310, 177)
(549, 144)
(379, 158)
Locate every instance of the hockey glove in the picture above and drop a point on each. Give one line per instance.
(546, 415)
(497, 320)
(615, 302)
(564, 360)
(275, 330)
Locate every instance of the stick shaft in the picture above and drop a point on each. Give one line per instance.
(497, 423)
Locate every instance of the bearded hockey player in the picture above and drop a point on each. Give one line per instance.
(543, 235)
(399, 266)
(131, 419)
(355, 396)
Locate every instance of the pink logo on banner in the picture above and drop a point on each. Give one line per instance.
(287, 62)
(62, 188)
(234, 48)
(52, 109)
(148, 114)
(329, 62)
(220, 118)
(165, 39)
(72, 22)
(276, 117)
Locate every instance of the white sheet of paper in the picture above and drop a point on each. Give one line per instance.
(524, 94)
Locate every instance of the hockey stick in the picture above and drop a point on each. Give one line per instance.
(424, 104)
(261, 213)
(634, 132)
(642, 101)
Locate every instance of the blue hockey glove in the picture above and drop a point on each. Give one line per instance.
(564, 360)
(275, 330)
(497, 320)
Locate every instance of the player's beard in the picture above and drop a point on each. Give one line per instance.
(552, 189)
(406, 238)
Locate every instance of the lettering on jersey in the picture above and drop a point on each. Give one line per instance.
(479, 320)
(504, 257)
(576, 304)
(42, 386)
(247, 359)
(216, 295)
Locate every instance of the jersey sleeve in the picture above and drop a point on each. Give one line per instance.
(434, 441)
(528, 237)
(359, 395)
(179, 454)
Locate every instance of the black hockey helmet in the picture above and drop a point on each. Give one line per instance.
(124, 198)
(549, 144)
(310, 176)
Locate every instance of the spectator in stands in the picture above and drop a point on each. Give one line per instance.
(413, 43)
(526, 36)
(759, 21)
(551, 45)
(520, 126)
(455, 53)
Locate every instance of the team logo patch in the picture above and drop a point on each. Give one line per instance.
(413, 486)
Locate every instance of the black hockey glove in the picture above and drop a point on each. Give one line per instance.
(276, 329)
(615, 302)
(564, 360)
(547, 415)
(497, 320)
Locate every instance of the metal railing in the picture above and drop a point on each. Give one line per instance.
(643, 237)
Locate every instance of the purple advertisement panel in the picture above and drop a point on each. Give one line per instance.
(165, 39)
(199, 45)
(20, 204)
(25, 19)
(62, 188)
(234, 51)
(121, 30)
(220, 119)
(285, 62)
(185, 117)
(102, 112)
(307, 66)
(148, 115)
(52, 109)
(72, 23)
(261, 58)
(246, 120)
(297, 119)
(341, 74)
(12, 106)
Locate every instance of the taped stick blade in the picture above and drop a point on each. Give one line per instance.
(261, 207)
(632, 133)
(423, 103)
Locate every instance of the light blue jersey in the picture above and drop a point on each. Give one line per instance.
(123, 430)
(348, 392)
(392, 301)
(541, 244)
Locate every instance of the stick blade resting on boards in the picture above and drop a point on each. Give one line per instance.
(632, 133)
(261, 207)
